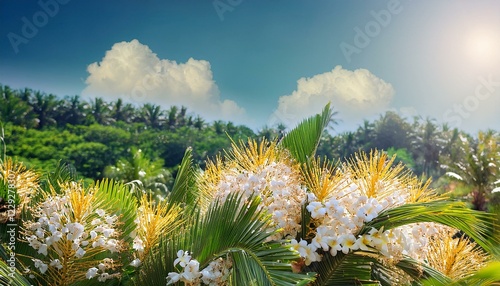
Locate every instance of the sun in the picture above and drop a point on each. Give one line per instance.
(483, 47)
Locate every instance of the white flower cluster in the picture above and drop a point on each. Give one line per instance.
(339, 219)
(53, 228)
(279, 188)
(216, 273)
(100, 271)
(138, 244)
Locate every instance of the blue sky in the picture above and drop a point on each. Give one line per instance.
(263, 62)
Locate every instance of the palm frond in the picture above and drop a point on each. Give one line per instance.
(303, 140)
(477, 225)
(117, 198)
(10, 276)
(489, 275)
(343, 269)
(234, 230)
(61, 174)
(184, 191)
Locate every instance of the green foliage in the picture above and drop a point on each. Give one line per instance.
(139, 170)
(184, 191)
(117, 198)
(11, 276)
(484, 277)
(303, 140)
(477, 225)
(238, 237)
(91, 157)
(402, 156)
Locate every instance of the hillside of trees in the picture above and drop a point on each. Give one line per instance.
(146, 143)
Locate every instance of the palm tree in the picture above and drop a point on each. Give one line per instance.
(428, 146)
(100, 112)
(45, 107)
(231, 129)
(268, 133)
(152, 115)
(366, 135)
(13, 109)
(71, 111)
(172, 116)
(181, 117)
(199, 122)
(123, 112)
(478, 166)
(218, 127)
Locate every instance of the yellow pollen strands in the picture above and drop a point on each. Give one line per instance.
(155, 221)
(455, 257)
(25, 181)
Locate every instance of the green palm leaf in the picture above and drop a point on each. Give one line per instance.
(476, 224)
(343, 269)
(303, 140)
(184, 191)
(117, 198)
(7, 277)
(489, 275)
(231, 230)
(62, 173)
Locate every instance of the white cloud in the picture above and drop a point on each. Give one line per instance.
(354, 94)
(131, 71)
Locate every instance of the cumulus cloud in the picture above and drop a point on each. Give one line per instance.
(131, 71)
(354, 94)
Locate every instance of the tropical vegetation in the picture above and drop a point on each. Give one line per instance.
(281, 210)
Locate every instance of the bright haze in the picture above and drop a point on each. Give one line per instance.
(264, 62)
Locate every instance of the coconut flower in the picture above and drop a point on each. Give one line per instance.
(262, 169)
(68, 232)
(153, 222)
(19, 180)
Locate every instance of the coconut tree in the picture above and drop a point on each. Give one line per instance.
(152, 115)
(478, 166)
(71, 111)
(100, 112)
(45, 108)
(123, 112)
(13, 109)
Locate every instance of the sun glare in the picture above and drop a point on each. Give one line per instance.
(483, 47)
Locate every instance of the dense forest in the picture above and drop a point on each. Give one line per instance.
(146, 143)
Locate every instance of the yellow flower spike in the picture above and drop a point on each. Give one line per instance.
(258, 169)
(208, 181)
(252, 155)
(80, 200)
(456, 258)
(370, 171)
(25, 181)
(379, 178)
(156, 221)
(243, 157)
(322, 179)
(420, 192)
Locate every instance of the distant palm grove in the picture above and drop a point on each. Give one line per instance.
(146, 143)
